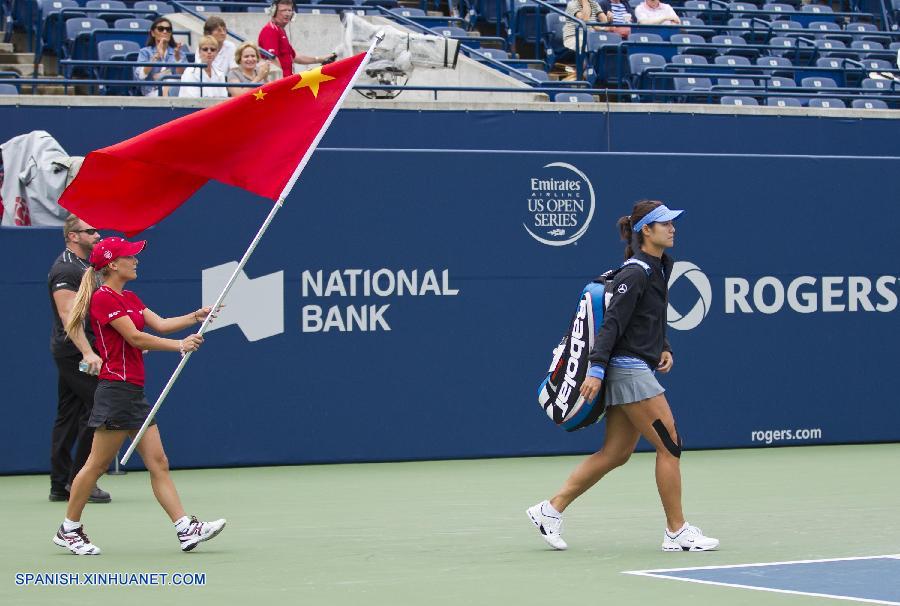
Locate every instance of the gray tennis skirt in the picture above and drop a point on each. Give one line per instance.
(628, 385)
(119, 405)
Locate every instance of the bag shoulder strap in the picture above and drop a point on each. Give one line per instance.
(608, 275)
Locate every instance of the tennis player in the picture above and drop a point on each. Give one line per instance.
(630, 345)
(118, 318)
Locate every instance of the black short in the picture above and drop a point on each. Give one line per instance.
(119, 405)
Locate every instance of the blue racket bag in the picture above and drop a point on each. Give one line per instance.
(559, 393)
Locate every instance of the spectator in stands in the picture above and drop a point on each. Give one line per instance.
(118, 317)
(249, 69)
(274, 39)
(619, 13)
(654, 12)
(586, 10)
(215, 27)
(160, 46)
(75, 387)
(209, 48)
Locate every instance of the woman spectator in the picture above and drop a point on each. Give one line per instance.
(586, 10)
(161, 47)
(215, 27)
(209, 48)
(619, 14)
(249, 69)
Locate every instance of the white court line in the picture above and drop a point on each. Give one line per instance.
(660, 574)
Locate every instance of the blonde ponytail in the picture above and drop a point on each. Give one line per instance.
(82, 305)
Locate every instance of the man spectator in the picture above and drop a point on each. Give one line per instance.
(654, 12)
(75, 388)
(215, 27)
(274, 39)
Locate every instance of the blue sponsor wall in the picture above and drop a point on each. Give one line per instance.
(457, 373)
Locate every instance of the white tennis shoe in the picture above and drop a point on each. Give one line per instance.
(76, 541)
(548, 524)
(198, 531)
(688, 538)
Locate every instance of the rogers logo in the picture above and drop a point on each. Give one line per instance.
(700, 282)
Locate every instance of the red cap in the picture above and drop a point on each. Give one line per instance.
(110, 249)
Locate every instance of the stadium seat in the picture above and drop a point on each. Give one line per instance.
(736, 82)
(752, 30)
(875, 65)
(826, 103)
(388, 4)
(869, 32)
(107, 5)
(814, 12)
(78, 32)
(309, 10)
(552, 46)
(868, 104)
(685, 62)
(822, 29)
(142, 25)
(741, 9)
(780, 82)
(115, 50)
(52, 32)
(409, 12)
(788, 44)
(606, 62)
(691, 44)
(538, 74)
(835, 48)
(640, 63)
(877, 84)
(732, 61)
(573, 98)
(735, 45)
(778, 7)
(495, 53)
(737, 100)
(696, 23)
(153, 8)
(783, 102)
(780, 25)
(873, 50)
(776, 66)
(690, 84)
(8, 89)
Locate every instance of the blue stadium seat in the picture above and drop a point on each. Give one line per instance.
(538, 74)
(731, 61)
(8, 89)
(787, 43)
(712, 14)
(776, 66)
(783, 24)
(153, 8)
(826, 103)
(706, 34)
(116, 50)
(552, 44)
(736, 82)
(451, 31)
(873, 50)
(408, 12)
(822, 29)
(814, 12)
(835, 48)
(780, 82)
(875, 65)
(735, 45)
(818, 82)
(783, 102)
(388, 4)
(778, 7)
(573, 98)
(686, 62)
(107, 5)
(741, 9)
(737, 100)
(690, 44)
(692, 83)
(869, 104)
(877, 84)
(52, 31)
(309, 10)
(645, 38)
(142, 25)
(869, 32)
(750, 29)
(640, 63)
(78, 31)
(495, 54)
(606, 62)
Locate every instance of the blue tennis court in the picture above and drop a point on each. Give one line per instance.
(873, 579)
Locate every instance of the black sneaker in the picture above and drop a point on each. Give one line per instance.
(59, 495)
(97, 495)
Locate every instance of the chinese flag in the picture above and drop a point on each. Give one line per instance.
(254, 141)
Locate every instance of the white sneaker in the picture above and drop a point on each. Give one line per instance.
(688, 538)
(549, 525)
(76, 541)
(198, 531)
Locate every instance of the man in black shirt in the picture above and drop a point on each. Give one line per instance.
(75, 388)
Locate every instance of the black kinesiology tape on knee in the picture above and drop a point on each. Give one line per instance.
(671, 446)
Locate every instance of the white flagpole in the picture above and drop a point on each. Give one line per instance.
(262, 230)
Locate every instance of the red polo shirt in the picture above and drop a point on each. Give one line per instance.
(121, 361)
(274, 39)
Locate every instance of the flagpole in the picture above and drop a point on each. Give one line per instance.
(259, 234)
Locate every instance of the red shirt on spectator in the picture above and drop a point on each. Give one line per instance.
(121, 361)
(274, 39)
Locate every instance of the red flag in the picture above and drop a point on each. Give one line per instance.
(254, 141)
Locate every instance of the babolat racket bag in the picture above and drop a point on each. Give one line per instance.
(559, 393)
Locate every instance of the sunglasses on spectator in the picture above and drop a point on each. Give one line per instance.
(208, 49)
(163, 28)
(89, 232)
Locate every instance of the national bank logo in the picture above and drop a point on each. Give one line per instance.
(256, 306)
(701, 285)
(560, 205)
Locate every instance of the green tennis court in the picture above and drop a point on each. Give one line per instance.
(455, 532)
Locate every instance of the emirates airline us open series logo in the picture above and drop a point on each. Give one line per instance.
(560, 205)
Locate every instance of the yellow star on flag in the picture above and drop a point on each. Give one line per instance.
(260, 95)
(312, 79)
